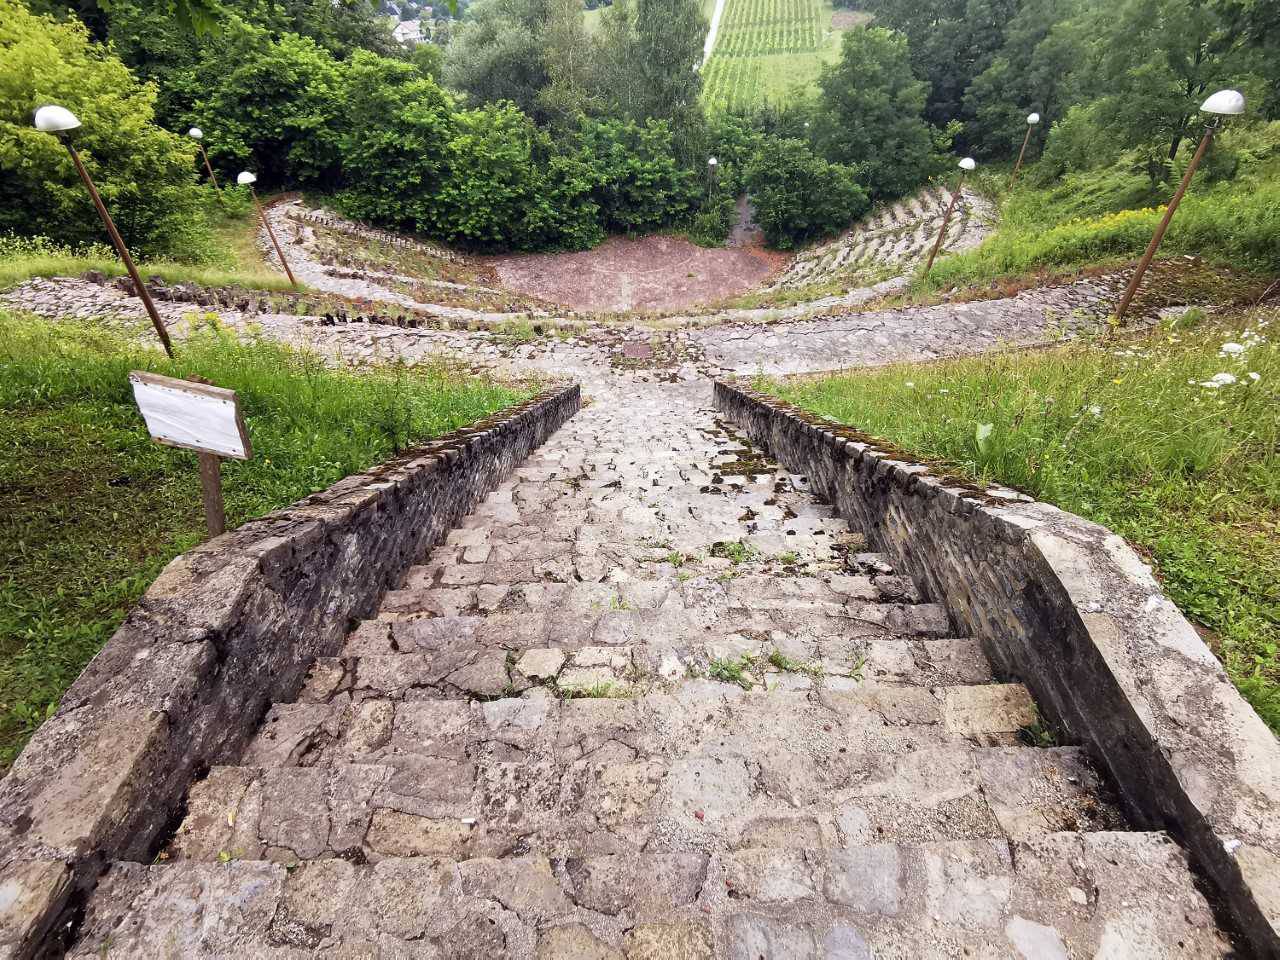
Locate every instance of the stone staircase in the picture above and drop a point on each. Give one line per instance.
(898, 235)
(654, 700)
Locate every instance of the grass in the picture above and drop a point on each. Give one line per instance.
(1109, 216)
(1125, 433)
(234, 261)
(766, 49)
(91, 509)
(732, 670)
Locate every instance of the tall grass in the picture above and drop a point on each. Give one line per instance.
(1129, 435)
(232, 258)
(91, 508)
(1231, 214)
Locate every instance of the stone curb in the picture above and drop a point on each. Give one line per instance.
(227, 629)
(1065, 606)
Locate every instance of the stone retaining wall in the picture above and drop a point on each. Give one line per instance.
(225, 630)
(1065, 606)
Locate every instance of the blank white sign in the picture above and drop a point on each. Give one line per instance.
(195, 416)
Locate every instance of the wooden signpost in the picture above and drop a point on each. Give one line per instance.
(200, 417)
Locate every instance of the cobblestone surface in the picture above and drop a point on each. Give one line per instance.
(653, 699)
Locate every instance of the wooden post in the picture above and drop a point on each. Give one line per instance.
(118, 242)
(215, 514)
(207, 166)
(262, 215)
(1154, 245)
(946, 218)
(1021, 153)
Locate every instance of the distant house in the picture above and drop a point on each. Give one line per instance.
(409, 31)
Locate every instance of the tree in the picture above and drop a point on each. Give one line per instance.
(649, 52)
(145, 174)
(799, 197)
(497, 53)
(950, 43)
(636, 181)
(395, 143)
(870, 113)
(272, 105)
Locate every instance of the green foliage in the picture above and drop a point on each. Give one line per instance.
(949, 43)
(395, 146)
(146, 175)
(92, 508)
(870, 113)
(647, 54)
(498, 54)
(1097, 215)
(272, 105)
(713, 222)
(638, 183)
(799, 197)
(1126, 434)
(732, 670)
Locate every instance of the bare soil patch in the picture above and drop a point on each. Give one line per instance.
(656, 272)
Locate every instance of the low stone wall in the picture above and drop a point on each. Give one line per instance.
(225, 630)
(1065, 606)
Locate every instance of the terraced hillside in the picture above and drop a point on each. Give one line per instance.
(892, 240)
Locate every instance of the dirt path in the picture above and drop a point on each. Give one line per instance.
(652, 273)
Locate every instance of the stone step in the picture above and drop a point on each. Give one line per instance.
(1059, 895)
(602, 802)
(468, 669)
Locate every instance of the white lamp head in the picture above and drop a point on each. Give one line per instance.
(195, 133)
(246, 178)
(55, 119)
(1228, 103)
(712, 161)
(1033, 118)
(967, 164)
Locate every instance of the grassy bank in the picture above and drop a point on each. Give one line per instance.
(1133, 435)
(233, 258)
(1105, 216)
(91, 509)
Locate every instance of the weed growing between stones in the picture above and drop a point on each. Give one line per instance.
(91, 508)
(781, 661)
(1172, 440)
(733, 670)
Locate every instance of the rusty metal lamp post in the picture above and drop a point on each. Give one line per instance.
(967, 165)
(247, 179)
(1223, 104)
(1032, 120)
(196, 134)
(60, 122)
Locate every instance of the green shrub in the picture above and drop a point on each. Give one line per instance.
(146, 175)
(639, 183)
(711, 225)
(799, 197)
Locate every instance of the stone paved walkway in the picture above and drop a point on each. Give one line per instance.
(653, 700)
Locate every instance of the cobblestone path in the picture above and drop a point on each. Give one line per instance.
(653, 700)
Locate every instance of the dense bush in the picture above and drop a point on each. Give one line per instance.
(800, 197)
(273, 105)
(639, 185)
(145, 174)
(871, 113)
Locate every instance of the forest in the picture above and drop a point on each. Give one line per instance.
(529, 131)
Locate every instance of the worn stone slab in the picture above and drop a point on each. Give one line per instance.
(1062, 895)
(1066, 606)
